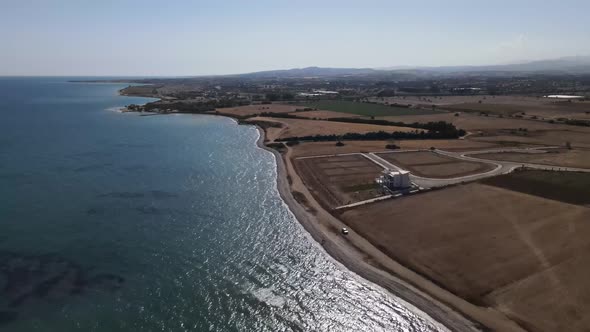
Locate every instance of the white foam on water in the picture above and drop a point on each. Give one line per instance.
(268, 296)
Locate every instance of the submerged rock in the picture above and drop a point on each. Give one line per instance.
(26, 278)
(7, 317)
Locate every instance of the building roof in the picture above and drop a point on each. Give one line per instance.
(564, 97)
(398, 172)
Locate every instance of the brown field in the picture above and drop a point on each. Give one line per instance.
(556, 157)
(505, 130)
(474, 122)
(454, 100)
(450, 170)
(546, 109)
(321, 148)
(540, 107)
(324, 114)
(523, 255)
(336, 181)
(257, 109)
(416, 158)
(300, 127)
(432, 165)
(567, 187)
(579, 137)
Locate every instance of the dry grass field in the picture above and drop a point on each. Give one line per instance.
(541, 107)
(336, 181)
(546, 109)
(416, 158)
(321, 148)
(463, 99)
(432, 165)
(257, 109)
(367, 109)
(522, 254)
(324, 115)
(505, 130)
(301, 127)
(579, 137)
(474, 122)
(557, 157)
(450, 170)
(568, 187)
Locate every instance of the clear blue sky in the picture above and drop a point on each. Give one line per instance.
(147, 37)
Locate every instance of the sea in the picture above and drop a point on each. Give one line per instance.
(113, 221)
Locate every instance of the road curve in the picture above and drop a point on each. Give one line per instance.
(501, 167)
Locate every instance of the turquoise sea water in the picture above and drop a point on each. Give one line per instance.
(118, 222)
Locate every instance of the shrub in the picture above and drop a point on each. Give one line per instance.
(392, 147)
(380, 135)
(583, 123)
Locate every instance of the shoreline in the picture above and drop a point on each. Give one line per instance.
(359, 256)
(441, 314)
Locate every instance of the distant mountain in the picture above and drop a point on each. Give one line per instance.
(310, 72)
(573, 64)
(565, 65)
(570, 65)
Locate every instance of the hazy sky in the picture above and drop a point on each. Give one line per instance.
(169, 37)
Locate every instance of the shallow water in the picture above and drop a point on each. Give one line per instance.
(116, 222)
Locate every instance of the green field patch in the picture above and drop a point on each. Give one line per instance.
(569, 187)
(366, 109)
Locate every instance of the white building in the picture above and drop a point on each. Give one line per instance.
(564, 97)
(395, 179)
(326, 92)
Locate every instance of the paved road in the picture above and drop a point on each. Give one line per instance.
(372, 200)
(501, 167)
(430, 182)
(465, 156)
